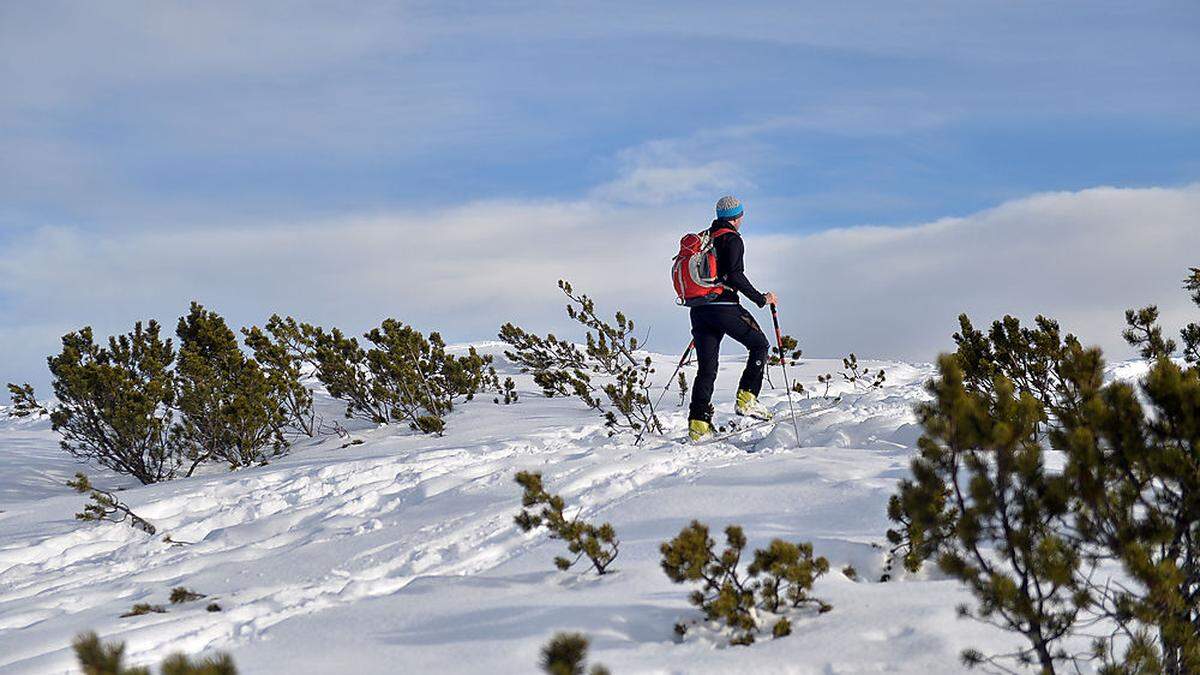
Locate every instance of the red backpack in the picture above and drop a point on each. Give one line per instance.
(694, 271)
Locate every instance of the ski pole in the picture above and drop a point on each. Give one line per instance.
(783, 364)
(686, 353)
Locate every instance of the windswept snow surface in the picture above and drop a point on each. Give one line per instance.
(400, 555)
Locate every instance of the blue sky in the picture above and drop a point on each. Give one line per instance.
(131, 119)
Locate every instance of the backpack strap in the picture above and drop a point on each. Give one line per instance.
(712, 237)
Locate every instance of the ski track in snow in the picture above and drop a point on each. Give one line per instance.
(325, 528)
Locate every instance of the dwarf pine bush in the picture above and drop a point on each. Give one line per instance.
(403, 376)
(862, 379)
(114, 401)
(1028, 541)
(181, 595)
(566, 654)
(138, 407)
(143, 608)
(125, 406)
(423, 380)
(509, 390)
(599, 544)
(606, 374)
(230, 411)
(24, 402)
(780, 575)
(785, 573)
(1009, 544)
(1031, 360)
(278, 349)
(98, 658)
(790, 354)
(105, 505)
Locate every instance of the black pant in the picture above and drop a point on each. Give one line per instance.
(710, 323)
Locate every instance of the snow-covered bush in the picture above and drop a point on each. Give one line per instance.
(24, 402)
(780, 576)
(598, 544)
(606, 374)
(566, 654)
(114, 402)
(104, 505)
(230, 411)
(98, 658)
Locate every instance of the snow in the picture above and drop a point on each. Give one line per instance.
(400, 555)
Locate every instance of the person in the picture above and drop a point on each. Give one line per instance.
(724, 315)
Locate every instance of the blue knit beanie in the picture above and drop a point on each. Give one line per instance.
(728, 207)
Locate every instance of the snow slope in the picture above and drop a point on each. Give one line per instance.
(400, 555)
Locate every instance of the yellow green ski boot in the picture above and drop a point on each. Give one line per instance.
(748, 405)
(699, 430)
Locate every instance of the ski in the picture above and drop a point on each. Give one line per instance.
(758, 424)
(726, 435)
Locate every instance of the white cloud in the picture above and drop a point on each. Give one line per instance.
(1082, 257)
(650, 185)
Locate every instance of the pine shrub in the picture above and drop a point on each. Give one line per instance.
(24, 402)
(403, 376)
(1027, 541)
(1132, 463)
(180, 595)
(780, 575)
(598, 544)
(566, 654)
(922, 524)
(230, 411)
(98, 658)
(791, 352)
(423, 380)
(509, 390)
(105, 505)
(861, 379)
(143, 608)
(606, 374)
(278, 348)
(114, 402)
(1031, 360)
(1009, 545)
(787, 574)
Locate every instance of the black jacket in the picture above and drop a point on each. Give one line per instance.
(730, 251)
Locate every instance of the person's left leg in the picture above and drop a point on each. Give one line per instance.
(743, 328)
